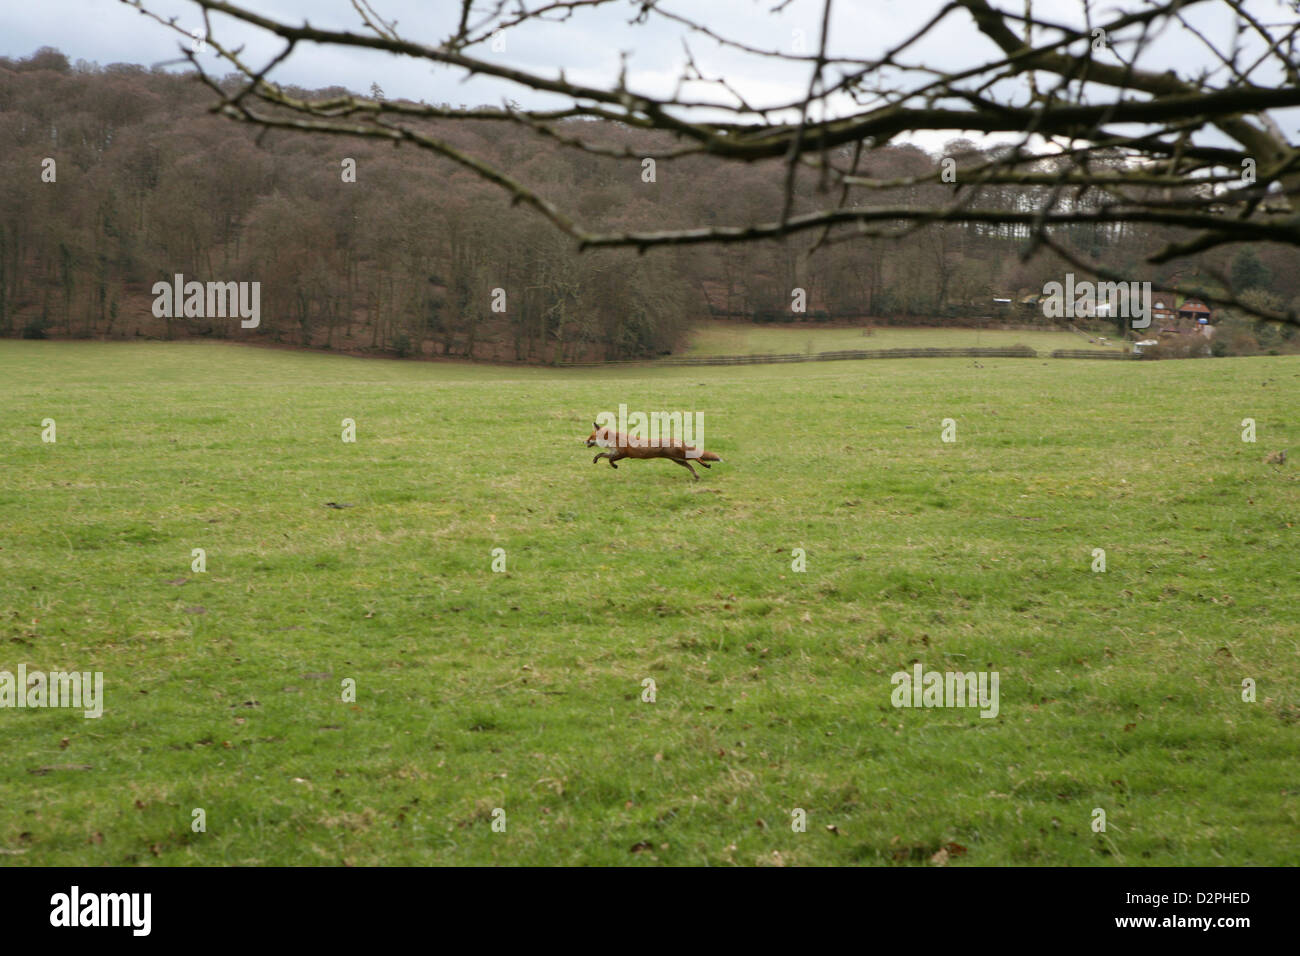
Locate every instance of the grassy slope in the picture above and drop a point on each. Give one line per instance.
(738, 338)
(522, 690)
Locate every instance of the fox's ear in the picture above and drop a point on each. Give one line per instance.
(595, 426)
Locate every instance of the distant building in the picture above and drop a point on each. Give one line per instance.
(1194, 310)
(1172, 309)
(1162, 309)
(1171, 312)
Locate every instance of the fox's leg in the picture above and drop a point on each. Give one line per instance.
(704, 463)
(599, 456)
(687, 465)
(614, 458)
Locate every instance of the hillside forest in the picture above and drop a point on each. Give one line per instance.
(365, 247)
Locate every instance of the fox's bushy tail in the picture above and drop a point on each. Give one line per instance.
(709, 456)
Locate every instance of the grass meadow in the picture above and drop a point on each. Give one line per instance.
(522, 691)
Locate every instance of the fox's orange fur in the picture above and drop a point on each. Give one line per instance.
(620, 446)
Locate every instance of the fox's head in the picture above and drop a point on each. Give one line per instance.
(599, 436)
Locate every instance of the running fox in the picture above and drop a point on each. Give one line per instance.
(622, 447)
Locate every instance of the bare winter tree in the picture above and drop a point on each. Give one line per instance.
(1095, 132)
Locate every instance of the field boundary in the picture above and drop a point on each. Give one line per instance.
(1093, 354)
(1015, 351)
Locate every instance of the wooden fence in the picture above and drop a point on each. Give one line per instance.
(1093, 354)
(1015, 351)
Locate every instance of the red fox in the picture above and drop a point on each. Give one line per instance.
(622, 447)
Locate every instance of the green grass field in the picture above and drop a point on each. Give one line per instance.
(522, 691)
(735, 338)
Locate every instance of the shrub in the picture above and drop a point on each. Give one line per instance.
(1183, 346)
(1242, 343)
(35, 329)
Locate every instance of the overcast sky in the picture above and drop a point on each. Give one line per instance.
(587, 46)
